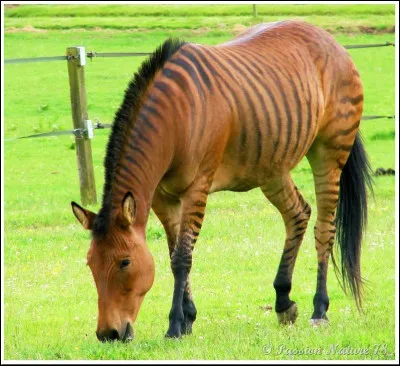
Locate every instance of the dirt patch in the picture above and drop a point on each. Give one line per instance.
(27, 28)
(236, 30)
(373, 30)
(360, 30)
(239, 29)
(10, 6)
(104, 30)
(201, 31)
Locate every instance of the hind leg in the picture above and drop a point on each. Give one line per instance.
(326, 166)
(168, 209)
(295, 211)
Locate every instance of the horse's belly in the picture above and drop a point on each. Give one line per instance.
(238, 178)
(234, 174)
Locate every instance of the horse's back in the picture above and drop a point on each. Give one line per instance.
(311, 43)
(301, 51)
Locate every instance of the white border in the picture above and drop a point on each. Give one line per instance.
(397, 197)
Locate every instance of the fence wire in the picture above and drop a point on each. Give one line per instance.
(100, 126)
(92, 54)
(76, 132)
(369, 45)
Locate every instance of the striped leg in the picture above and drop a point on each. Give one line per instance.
(295, 211)
(168, 210)
(193, 203)
(327, 192)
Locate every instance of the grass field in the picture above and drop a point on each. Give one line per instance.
(335, 17)
(50, 302)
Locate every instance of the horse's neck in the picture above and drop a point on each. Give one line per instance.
(142, 165)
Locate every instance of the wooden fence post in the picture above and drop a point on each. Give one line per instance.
(76, 71)
(254, 11)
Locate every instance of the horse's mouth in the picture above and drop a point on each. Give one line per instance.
(129, 335)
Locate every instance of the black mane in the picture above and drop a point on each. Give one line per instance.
(123, 121)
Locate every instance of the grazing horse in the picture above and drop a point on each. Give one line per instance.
(198, 119)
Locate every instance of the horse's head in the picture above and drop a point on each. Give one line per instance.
(122, 268)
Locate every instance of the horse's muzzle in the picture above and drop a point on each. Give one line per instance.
(109, 335)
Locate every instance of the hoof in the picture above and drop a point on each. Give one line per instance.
(174, 331)
(319, 322)
(187, 328)
(289, 316)
(180, 329)
(173, 335)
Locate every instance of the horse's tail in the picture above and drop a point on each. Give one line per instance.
(351, 218)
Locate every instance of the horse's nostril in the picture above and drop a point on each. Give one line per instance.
(108, 335)
(114, 335)
(128, 336)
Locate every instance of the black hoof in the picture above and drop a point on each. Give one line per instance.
(288, 316)
(174, 331)
(179, 330)
(173, 335)
(187, 327)
(318, 320)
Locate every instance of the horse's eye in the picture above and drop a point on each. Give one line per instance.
(124, 263)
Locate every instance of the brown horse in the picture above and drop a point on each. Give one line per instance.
(199, 119)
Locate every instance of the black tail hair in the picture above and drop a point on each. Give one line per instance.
(351, 218)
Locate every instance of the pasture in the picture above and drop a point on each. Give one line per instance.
(50, 301)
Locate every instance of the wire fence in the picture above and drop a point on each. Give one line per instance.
(89, 55)
(92, 54)
(83, 127)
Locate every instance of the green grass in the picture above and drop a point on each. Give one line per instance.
(336, 18)
(193, 10)
(50, 300)
(332, 23)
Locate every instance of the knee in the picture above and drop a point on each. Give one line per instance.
(324, 235)
(181, 261)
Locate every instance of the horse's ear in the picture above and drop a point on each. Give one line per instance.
(128, 212)
(85, 217)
